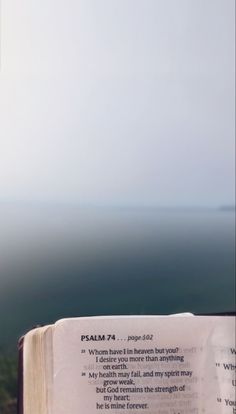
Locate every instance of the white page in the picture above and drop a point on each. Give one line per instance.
(154, 365)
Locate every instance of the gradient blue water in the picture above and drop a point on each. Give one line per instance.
(66, 261)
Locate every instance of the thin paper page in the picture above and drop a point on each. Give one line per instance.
(151, 365)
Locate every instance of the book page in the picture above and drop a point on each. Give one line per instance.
(150, 365)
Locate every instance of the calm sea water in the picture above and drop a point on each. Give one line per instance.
(65, 261)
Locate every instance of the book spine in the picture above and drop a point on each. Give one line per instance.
(20, 392)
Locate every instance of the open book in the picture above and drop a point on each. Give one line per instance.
(131, 364)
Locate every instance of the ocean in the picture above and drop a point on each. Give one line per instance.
(65, 261)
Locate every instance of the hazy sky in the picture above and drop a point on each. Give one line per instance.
(117, 101)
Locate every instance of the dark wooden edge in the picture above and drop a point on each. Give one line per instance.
(20, 379)
(20, 402)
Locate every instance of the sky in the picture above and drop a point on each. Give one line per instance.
(117, 102)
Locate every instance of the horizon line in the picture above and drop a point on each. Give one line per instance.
(222, 207)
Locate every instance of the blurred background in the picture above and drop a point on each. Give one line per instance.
(117, 162)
